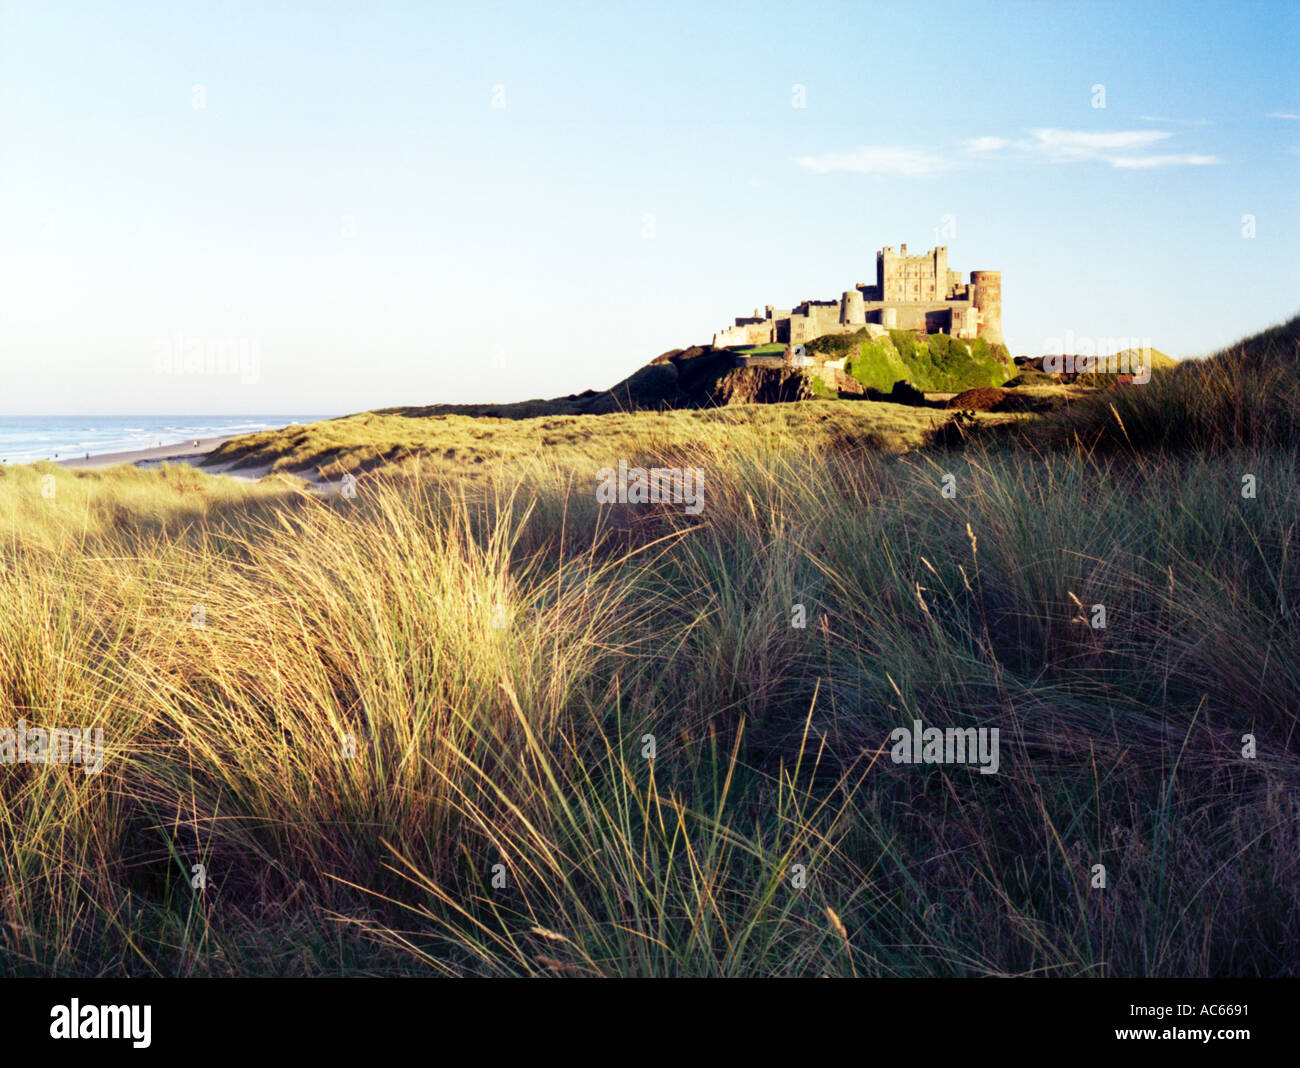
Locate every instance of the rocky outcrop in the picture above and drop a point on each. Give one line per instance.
(703, 377)
(760, 385)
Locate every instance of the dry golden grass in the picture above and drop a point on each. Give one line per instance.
(412, 732)
(461, 445)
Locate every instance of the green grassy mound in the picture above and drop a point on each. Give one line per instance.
(932, 363)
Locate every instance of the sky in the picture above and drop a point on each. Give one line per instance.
(343, 206)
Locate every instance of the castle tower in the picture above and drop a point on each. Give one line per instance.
(987, 290)
(940, 290)
(885, 260)
(852, 310)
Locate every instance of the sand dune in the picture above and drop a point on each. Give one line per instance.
(192, 452)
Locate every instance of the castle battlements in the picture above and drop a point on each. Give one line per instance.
(917, 293)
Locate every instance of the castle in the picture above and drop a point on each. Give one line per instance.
(915, 293)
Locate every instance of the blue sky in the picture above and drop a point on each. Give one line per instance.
(381, 203)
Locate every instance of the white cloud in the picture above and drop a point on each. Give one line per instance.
(986, 144)
(1121, 149)
(1290, 115)
(1082, 144)
(878, 159)
(1176, 122)
(1186, 160)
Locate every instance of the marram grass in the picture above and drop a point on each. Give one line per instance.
(488, 727)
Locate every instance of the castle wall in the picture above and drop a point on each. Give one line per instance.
(823, 318)
(745, 332)
(909, 316)
(938, 321)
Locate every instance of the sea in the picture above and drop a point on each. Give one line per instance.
(26, 439)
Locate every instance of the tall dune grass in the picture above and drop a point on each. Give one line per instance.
(1244, 396)
(414, 732)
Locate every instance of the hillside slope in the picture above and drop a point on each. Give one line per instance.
(470, 447)
(1247, 394)
(705, 377)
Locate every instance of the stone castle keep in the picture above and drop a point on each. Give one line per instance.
(916, 293)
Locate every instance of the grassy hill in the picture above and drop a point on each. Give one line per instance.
(646, 719)
(1031, 370)
(464, 446)
(704, 377)
(701, 382)
(1244, 396)
(931, 363)
(1159, 361)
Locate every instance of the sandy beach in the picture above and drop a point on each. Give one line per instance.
(191, 452)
